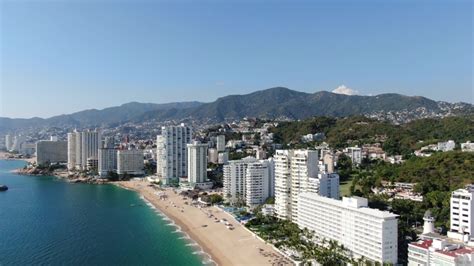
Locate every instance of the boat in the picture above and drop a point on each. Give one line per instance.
(3, 188)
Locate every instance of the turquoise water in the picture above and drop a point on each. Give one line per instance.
(47, 221)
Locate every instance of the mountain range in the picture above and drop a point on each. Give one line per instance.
(271, 103)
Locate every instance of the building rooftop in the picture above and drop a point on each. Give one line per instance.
(448, 249)
(339, 203)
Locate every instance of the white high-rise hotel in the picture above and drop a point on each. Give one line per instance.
(249, 180)
(82, 146)
(172, 156)
(366, 232)
(197, 163)
(297, 171)
(130, 162)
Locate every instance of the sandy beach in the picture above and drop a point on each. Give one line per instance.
(5, 155)
(226, 247)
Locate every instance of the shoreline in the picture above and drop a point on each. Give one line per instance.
(4, 156)
(224, 246)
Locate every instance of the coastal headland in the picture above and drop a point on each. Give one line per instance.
(226, 247)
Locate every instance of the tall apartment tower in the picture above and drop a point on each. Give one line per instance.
(130, 162)
(172, 156)
(325, 185)
(8, 142)
(282, 159)
(234, 178)
(304, 165)
(90, 146)
(293, 171)
(462, 211)
(71, 150)
(82, 146)
(197, 162)
(220, 145)
(258, 182)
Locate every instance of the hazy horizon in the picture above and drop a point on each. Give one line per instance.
(61, 57)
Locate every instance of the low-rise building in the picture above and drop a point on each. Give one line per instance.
(439, 252)
(467, 147)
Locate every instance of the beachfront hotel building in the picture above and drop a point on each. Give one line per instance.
(172, 155)
(48, 151)
(8, 142)
(259, 182)
(107, 161)
(130, 162)
(197, 163)
(81, 147)
(248, 180)
(462, 214)
(293, 171)
(365, 232)
(71, 150)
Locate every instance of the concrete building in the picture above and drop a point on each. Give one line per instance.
(325, 185)
(439, 252)
(213, 156)
(467, 146)
(220, 143)
(197, 163)
(446, 146)
(462, 211)
(259, 179)
(8, 142)
(234, 179)
(90, 147)
(172, 155)
(130, 162)
(107, 161)
(282, 159)
(328, 160)
(366, 232)
(248, 180)
(355, 153)
(223, 157)
(71, 150)
(51, 152)
(81, 147)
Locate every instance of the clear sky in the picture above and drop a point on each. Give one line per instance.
(65, 56)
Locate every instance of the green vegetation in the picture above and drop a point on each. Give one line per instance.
(216, 198)
(286, 235)
(358, 130)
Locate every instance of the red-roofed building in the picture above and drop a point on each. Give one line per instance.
(439, 252)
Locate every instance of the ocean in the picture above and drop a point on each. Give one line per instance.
(47, 221)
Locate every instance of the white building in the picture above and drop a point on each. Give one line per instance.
(282, 159)
(8, 142)
(259, 178)
(249, 180)
(71, 150)
(107, 161)
(223, 157)
(82, 146)
(303, 167)
(365, 232)
(197, 163)
(130, 162)
(462, 210)
(355, 153)
(467, 147)
(325, 185)
(172, 155)
(51, 152)
(213, 155)
(234, 179)
(220, 143)
(439, 252)
(446, 146)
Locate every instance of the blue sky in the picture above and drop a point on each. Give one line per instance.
(65, 56)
